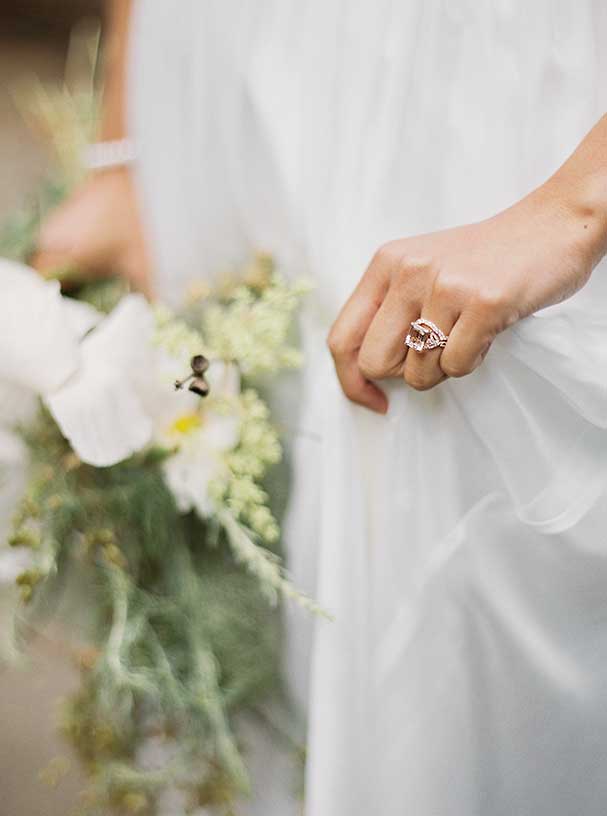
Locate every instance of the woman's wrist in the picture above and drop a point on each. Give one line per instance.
(578, 206)
(579, 190)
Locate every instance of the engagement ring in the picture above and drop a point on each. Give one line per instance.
(424, 335)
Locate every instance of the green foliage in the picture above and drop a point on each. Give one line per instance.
(184, 633)
(182, 639)
(18, 233)
(252, 324)
(181, 635)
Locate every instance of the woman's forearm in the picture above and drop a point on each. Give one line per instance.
(113, 119)
(580, 188)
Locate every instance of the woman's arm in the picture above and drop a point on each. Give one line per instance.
(98, 230)
(473, 281)
(118, 19)
(580, 186)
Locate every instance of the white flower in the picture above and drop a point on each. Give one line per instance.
(85, 368)
(202, 438)
(107, 385)
(39, 334)
(39, 330)
(101, 409)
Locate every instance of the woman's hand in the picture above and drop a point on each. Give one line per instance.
(472, 281)
(97, 232)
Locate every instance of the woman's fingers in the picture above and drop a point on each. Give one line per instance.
(347, 335)
(96, 233)
(367, 340)
(423, 369)
(79, 232)
(469, 342)
(356, 387)
(383, 351)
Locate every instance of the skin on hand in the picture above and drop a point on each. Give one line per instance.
(472, 281)
(97, 232)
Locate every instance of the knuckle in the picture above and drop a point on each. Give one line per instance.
(411, 266)
(494, 309)
(455, 366)
(352, 394)
(336, 342)
(412, 263)
(386, 254)
(370, 365)
(446, 288)
(418, 381)
(449, 288)
(402, 261)
(411, 279)
(489, 300)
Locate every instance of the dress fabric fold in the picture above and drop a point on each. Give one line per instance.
(460, 541)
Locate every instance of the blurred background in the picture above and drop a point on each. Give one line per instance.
(34, 36)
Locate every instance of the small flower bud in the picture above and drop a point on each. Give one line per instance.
(134, 802)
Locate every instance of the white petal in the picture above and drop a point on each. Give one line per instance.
(125, 334)
(13, 454)
(13, 465)
(188, 473)
(199, 460)
(162, 401)
(18, 405)
(81, 316)
(100, 409)
(103, 423)
(38, 341)
(223, 379)
(220, 432)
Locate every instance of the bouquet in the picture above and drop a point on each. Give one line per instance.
(142, 448)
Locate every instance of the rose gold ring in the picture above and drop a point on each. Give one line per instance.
(425, 335)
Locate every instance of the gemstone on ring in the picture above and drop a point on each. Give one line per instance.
(425, 335)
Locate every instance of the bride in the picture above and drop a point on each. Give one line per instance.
(459, 524)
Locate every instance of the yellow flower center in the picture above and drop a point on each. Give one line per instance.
(186, 423)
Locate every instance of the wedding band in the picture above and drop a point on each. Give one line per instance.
(424, 335)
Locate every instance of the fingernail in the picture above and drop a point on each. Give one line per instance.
(384, 408)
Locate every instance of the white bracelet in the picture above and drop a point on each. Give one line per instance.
(102, 155)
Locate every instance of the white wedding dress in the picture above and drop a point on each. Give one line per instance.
(461, 541)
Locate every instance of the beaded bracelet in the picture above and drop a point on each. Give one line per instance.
(103, 155)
